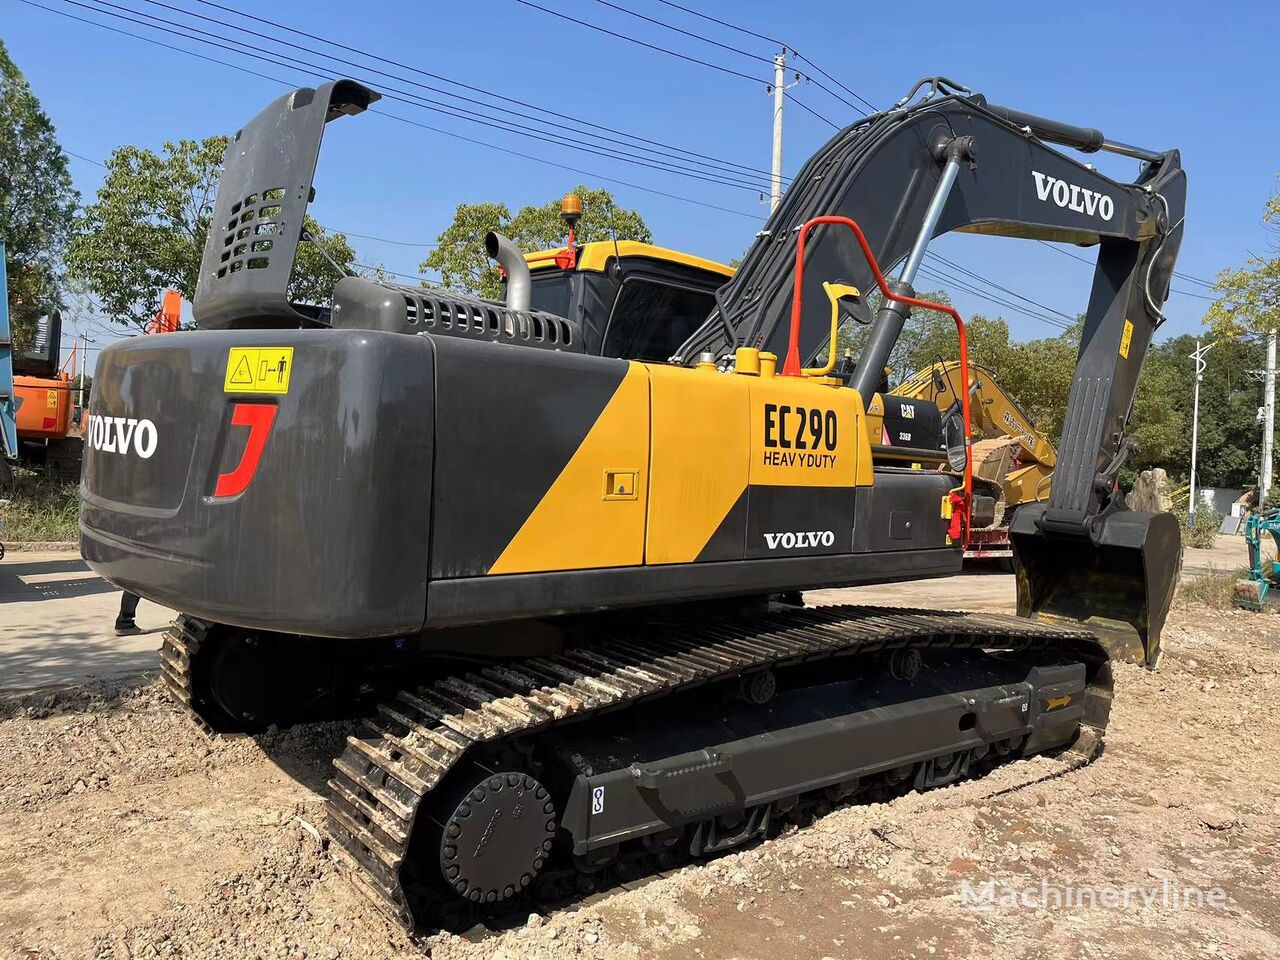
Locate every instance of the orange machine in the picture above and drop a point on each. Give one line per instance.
(46, 398)
(45, 409)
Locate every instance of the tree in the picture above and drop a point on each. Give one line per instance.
(1250, 300)
(460, 256)
(146, 231)
(37, 202)
(1230, 443)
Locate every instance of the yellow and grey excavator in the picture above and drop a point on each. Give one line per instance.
(546, 575)
(1013, 462)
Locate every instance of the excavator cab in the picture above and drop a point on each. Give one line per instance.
(631, 300)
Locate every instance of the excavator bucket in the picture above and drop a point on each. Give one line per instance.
(1117, 582)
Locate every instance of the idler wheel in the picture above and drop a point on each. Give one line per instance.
(498, 837)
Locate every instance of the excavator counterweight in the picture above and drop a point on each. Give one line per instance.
(476, 524)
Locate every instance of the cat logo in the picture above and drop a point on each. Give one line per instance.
(908, 412)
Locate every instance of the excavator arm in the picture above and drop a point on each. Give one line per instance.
(951, 161)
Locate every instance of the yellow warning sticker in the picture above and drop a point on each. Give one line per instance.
(258, 370)
(1126, 337)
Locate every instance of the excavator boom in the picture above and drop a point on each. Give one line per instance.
(951, 161)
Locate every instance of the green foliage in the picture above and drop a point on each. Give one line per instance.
(1205, 533)
(1038, 375)
(37, 202)
(39, 509)
(1230, 442)
(146, 230)
(1251, 294)
(460, 256)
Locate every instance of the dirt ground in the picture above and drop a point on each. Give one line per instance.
(125, 833)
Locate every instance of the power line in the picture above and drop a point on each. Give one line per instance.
(274, 62)
(808, 109)
(779, 43)
(274, 58)
(723, 46)
(642, 43)
(1190, 279)
(1067, 320)
(335, 230)
(937, 276)
(720, 162)
(1181, 276)
(552, 163)
(991, 283)
(443, 132)
(724, 23)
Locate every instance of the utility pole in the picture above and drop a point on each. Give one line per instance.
(84, 364)
(1268, 417)
(779, 97)
(1201, 363)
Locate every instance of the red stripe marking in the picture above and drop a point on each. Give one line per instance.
(258, 417)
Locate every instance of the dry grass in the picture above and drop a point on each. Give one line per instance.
(39, 508)
(1212, 589)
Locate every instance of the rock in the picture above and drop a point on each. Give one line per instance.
(1214, 816)
(1151, 491)
(591, 937)
(535, 920)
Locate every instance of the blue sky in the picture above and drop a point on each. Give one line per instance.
(1168, 76)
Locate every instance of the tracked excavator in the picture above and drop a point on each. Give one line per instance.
(1012, 464)
(548, 580)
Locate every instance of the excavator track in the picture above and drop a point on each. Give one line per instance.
(179, 645)
(399, 758)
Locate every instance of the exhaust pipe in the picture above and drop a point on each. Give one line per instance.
(509, 257)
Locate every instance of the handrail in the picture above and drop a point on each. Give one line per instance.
(791, 365)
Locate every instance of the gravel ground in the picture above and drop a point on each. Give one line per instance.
(125, 833)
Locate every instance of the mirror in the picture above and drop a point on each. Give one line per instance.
(953, 439)
(853, 307)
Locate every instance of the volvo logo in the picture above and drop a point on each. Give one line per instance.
(1071, 196)
(802, 538)
(122, 435)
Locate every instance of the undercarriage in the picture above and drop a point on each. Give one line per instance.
(472, 792)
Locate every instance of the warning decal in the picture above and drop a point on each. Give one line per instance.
(258, 370)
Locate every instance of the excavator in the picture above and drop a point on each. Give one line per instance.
(557, 587)
(1013, 463)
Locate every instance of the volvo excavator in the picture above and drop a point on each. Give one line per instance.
(558, 587)
(1013, 463)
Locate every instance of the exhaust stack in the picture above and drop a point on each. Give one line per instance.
(509, 257)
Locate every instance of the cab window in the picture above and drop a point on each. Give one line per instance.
(650, 320)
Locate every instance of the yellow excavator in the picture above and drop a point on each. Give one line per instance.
(1013, 462)
(554, 577)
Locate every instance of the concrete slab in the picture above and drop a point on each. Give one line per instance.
(57, 624)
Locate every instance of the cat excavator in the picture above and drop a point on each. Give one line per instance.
(558, 588)
(1013, 463)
